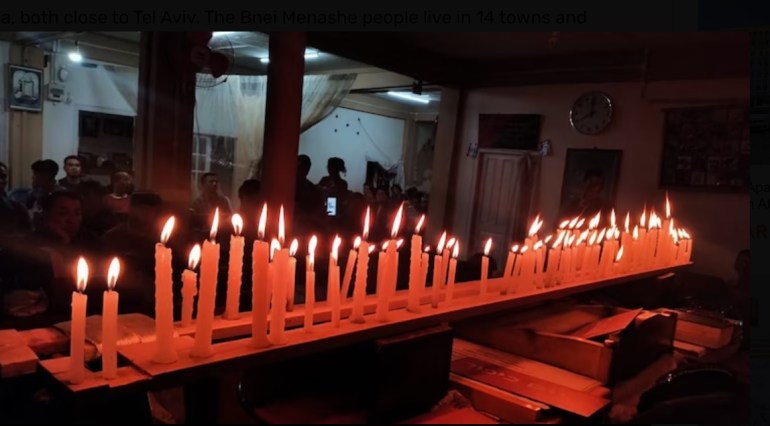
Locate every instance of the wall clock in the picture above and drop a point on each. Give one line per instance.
(591, 113)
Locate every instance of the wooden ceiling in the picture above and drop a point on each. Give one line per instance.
(505, 59)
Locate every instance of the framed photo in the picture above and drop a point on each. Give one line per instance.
(715, 139)
(590, 181)
(25, 88)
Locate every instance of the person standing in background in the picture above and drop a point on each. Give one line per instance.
(73, 168)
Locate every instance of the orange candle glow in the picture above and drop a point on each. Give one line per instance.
(334, 295)
(452, 271)
(260, 284)
(310, 284)
(485, 268)
(164, 299)
(359, 291)
(110, 323)
(235, 270)
(204, 323)
(415, 275)
(78, 325)
(190, 285)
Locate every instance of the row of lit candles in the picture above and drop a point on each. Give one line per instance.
(574, 253)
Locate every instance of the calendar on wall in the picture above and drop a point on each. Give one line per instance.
(706, 147)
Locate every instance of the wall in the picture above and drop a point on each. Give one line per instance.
(89, 89)
(5, 51)
(353, 136)
(719, 222)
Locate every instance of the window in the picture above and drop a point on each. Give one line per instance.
(213, 153)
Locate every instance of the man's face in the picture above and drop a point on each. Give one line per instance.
(66, 215)
(122, 183)
(210, 185)
(72, 168)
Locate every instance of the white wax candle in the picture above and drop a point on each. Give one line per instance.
(382, 284)
(260, 290)
(204, 323)
(349, 268)
(452, 270)
(507, 271)
(280, 281)
(78, 325)
(436, 287)
(110, 324)
(190, 286)
(235, 270)
(164, 300)
(413, 295)
(485, 269)
(362, 272)
(333, 293)
(424, 265)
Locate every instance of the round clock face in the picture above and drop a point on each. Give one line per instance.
(591, 113)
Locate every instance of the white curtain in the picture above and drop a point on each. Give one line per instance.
(237, 108)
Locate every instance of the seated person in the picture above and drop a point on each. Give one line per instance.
(97, 216)
(210, 199)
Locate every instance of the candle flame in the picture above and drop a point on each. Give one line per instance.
(668, 207)
(237, 224)
(281, 227)
(643, 219)
(112, 273)
(686, 234)
(275, 246)
(336, 247)
(385, 245)
(594, 223)
(515, 248)
(450, 243)
(427, 249)
(573, 222)
(592, 240)
(82, 275)
(571, 240)
(419, 224)
(671, 226)
(564, 224)
(524, 249)
(167, 228)
(559, 239)
(538, 245)
(487, 247)
(681, 233)
(612, 218)
(214, 225)
(397, 222)
(675, 236)
(456, 251)
(547, 239)
(601, 236)
(371, 248)
(620, 254)
(580, 223)
(311, 250)
(293, 248)
(262, 222)
(617, 233)
(583, 236)
(357, 243)
(399, 243)
(195, 257)
(628, 221)
(536, 224)
(651, 222)
(366, 224)
(441, 243)
(636, 232)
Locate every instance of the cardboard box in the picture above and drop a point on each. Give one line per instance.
(604, 343)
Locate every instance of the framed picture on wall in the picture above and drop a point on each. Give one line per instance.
(590, 181)
(706, 148)
(25, 86)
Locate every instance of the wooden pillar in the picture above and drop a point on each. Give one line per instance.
(164, 127)
(25, 134)
(283, 110)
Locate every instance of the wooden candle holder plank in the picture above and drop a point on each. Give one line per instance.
(16, 358)
(94, 381)
(238, 354)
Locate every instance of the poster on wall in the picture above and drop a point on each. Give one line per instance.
(590, 180)
(706, 147)
(25, 88)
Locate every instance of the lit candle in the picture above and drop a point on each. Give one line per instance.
(640, 252)
(445, 261)
(382, 266)
(437, 268)
(204, 323)
(664, 239)
(485, 269)
(260, 285)
(424, 266)
(391, 269)
(349, 267)
(279, 279)
(617, 261)
(580, 253)
(508, 271)
(235, 270)
(452, 270)
(310, 284)
(292, 275)
(688, 247)
(190, 285)
(565, 262)
(359, 291)
(533, 230)
(164, 299)
(78, 325)
(415, 288)
(554, 254)
(539, 248)
(333, 294)
(110, 323)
